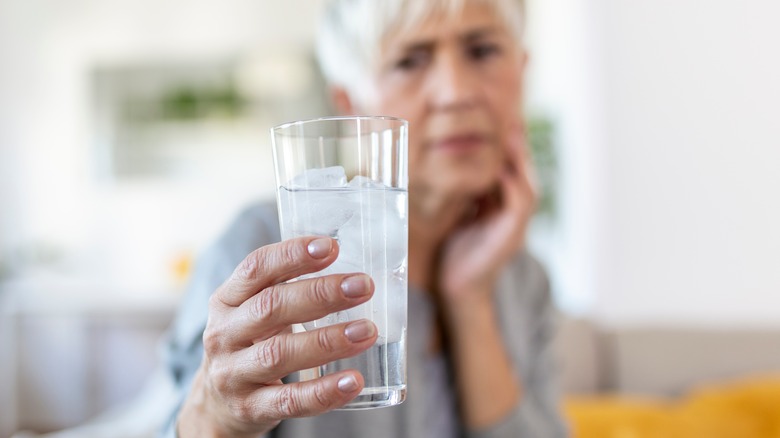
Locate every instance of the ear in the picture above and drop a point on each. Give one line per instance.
(341, 101)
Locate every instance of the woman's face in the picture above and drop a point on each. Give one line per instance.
(458, 81)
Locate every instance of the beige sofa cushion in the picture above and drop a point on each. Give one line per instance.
(670, 361)
(578, 351)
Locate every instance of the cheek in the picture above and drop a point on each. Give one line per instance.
(397, 97)
(408, 107)
(417, 160)
(504, 95)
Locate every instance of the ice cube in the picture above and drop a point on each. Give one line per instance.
(362, 182)
(327, 177)
(316, 212)
(333, 318)
(397, 294)
(376, 234)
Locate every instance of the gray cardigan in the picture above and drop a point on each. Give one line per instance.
(527, 319)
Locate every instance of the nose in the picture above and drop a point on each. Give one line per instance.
(452, 84)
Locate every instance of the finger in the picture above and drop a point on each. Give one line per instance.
(276, 307)
(519, 194)
(517, 148)
(521, 174)
(529, 180)
(306, 399)
(274, 264)
(281, 355)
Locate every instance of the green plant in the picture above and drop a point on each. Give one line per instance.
(541, 142)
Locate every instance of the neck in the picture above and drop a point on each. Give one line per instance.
(431, 220)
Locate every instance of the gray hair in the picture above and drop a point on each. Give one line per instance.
(351, 33)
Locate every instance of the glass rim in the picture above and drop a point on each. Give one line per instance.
(287, 125)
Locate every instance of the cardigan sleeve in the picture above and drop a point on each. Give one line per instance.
(529, 321)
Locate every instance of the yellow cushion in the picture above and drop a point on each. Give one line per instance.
(616, 417)
(745, 409)
(754, 403)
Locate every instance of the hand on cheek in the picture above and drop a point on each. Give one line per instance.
(475, 254)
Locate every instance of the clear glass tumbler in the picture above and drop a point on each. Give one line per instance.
(346, 177)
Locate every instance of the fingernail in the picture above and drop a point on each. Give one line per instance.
(347, 384)
(359, 330)
(356, 286)
(319, 248)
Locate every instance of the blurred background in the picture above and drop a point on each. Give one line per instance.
(131, 132)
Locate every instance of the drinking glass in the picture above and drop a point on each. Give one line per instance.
(346, 178)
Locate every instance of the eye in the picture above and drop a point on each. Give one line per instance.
(412, 61)
(483, 50)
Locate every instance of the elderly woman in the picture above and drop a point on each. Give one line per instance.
(480, 316)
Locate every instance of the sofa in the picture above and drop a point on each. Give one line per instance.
(669, 381)
(617, 381)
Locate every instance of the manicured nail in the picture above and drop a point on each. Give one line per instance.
(319, 248)
(356, 286)
(347, 384)
(359, 330)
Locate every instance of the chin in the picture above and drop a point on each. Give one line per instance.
(463, 177)
(470, 185)
(481, 189)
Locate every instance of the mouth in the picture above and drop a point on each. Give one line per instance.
(460, 142)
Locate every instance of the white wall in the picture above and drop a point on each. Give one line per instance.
(565, 84)
(15, 65)
(670, 143)
(691, 115)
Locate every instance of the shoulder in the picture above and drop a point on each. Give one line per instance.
(523, 295)
(527, 276)
(255, 226)
(257, 222)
